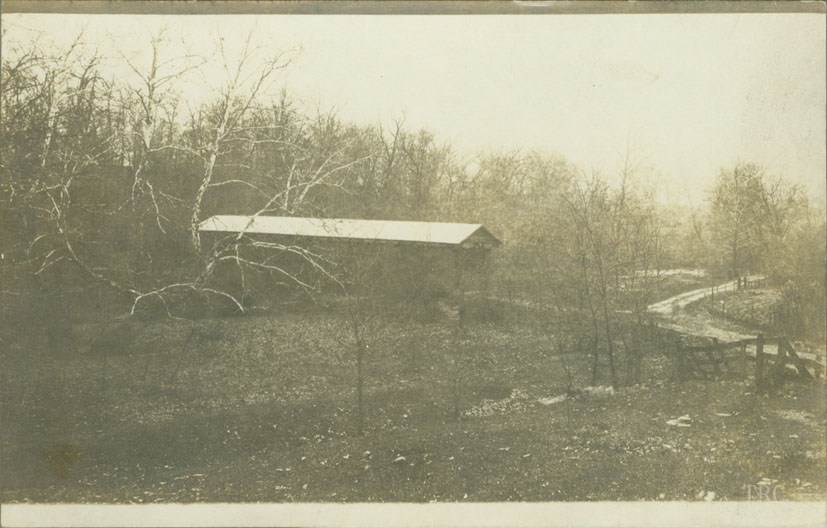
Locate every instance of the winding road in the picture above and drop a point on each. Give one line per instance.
(700, 323)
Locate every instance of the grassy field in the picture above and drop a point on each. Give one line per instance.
(262, 409)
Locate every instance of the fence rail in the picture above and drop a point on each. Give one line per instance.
(773, 357)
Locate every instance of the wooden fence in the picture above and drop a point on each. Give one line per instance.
(749, 283)
(740, 283)
(707, 361)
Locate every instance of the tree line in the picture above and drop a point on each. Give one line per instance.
(105, 180)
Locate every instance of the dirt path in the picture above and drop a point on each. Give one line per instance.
(700, 323)
(673, 315)
(667, 307)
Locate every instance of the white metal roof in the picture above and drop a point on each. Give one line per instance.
(384, 230)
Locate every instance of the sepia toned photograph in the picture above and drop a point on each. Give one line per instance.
(413, 258)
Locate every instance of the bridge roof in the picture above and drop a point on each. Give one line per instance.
(438, 233)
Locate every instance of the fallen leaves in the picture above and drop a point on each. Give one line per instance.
(517, 401)
(681, 421)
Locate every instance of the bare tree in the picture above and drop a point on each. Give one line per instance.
(360, 268)
(154, 93)
(734, 216)
(72, 202)
(245, 79)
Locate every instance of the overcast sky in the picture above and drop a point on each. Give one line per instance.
(689, 94)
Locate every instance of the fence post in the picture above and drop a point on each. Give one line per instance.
(712, 357)
(679, 360)
(780, 365)
(744, 368)
(760, 379)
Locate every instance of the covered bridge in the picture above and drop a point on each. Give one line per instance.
(432, 233)
(416, 254)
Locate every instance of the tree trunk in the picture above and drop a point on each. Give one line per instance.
(199, 197)
(455, 394)
(610, 349)
(220, 133)
(594, 359)
(760, 374)
(360, 407)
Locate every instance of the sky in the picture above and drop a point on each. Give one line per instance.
(685, 95)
